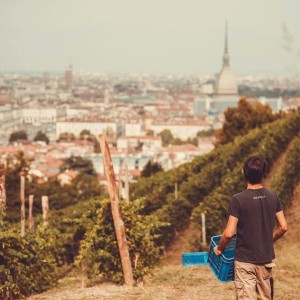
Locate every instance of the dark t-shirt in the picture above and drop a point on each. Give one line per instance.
(255, 209)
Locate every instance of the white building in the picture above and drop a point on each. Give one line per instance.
(133, 128)
(42, 115)
(95, 125)
(181, 130)
(149, 142)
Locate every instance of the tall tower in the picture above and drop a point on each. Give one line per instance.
(226, 82)
(69, 77)
(226, 54)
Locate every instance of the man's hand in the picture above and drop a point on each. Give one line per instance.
(217, 251)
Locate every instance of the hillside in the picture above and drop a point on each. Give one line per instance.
(172, 281)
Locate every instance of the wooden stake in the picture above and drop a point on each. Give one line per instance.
(126, 182)
(2, 186)
(120, 185)
(22, 197)
(45, 207)
(31, 220)
(203, 228)
(116, 213)
(176, 190)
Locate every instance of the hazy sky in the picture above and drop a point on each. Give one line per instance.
(152, 36)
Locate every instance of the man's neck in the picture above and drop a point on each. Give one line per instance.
(254, 186)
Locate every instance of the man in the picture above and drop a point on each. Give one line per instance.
(253, 214)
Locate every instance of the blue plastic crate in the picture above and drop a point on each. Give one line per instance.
(223, 265)
(194, 259)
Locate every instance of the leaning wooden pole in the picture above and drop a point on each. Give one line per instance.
(22, 198)
(31, 219)
(2, 186)
(116, 213)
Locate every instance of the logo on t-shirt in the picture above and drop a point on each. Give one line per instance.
(259, 197)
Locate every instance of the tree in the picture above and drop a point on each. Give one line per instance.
(66, 137)
(149, 132)
(151, 168)
(18, 135)
(86, 135)
(41, 136)
(84, 132)
(15, 164)
(166, 137)
(241, 119)
(82, 165)
(205, 133)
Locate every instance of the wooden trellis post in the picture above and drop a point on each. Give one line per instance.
(176, 190)
(2, 186)
(126, 182)
(22, 198)
(45, 207)
(116, 213)
(120, 185)
(31, 219)
(203, 228)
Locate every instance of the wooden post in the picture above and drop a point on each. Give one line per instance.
(116, 213)
(22, 197)
(176, 190)
(126, 182)
(120, 185)
(31, 220)
(203, 228)
(45, 207)
(2, 186)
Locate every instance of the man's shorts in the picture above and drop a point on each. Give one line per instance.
(253, 282)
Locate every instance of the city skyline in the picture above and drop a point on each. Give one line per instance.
(149, 37)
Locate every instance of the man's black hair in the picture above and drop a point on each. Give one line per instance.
(255, 168)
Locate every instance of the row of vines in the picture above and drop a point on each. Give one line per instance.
(84, 234)
(205, 185)
(208, 183)
(289, 176)
(277, 136)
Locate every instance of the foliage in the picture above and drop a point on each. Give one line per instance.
(151, 168)
(208, 182)
(66, 137)
(27, 265)
(41, 136)
(83, 187)
(99, 250)
(276, 137)
(239, 120)
(18, 135)
(149, 132)
(78, 163)
(289, 176)
(14, 166)
(166, 137)
(267, 92)
(86, 135)
(206, 133)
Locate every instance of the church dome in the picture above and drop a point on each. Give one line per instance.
(226, 82)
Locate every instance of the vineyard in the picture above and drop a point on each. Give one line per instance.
(80, 232)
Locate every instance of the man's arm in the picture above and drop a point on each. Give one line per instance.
(227, 234)
(282, 226)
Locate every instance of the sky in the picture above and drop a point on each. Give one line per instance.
(150, 36)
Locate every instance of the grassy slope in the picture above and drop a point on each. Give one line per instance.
(171, 281)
